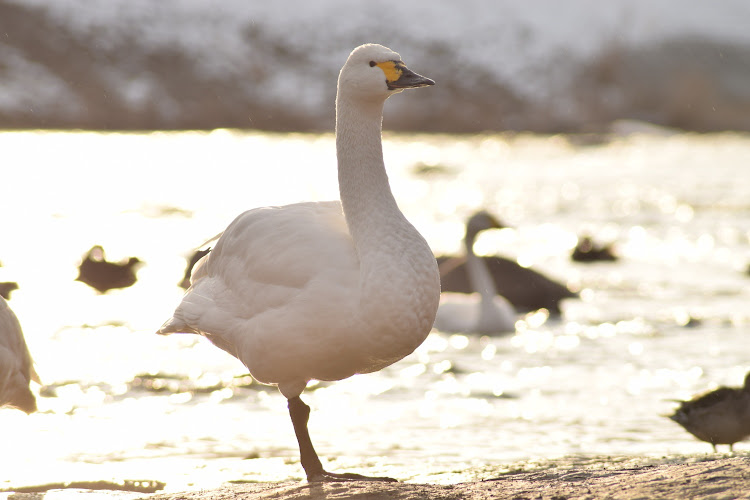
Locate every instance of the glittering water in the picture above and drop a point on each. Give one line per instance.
(119, 402)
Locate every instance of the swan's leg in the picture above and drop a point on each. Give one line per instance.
(300, 414)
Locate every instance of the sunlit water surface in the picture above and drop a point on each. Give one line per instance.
(668, 320)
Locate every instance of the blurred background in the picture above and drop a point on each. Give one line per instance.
(146, 126)
(543, 66)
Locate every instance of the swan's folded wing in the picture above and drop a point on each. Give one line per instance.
(282, 246)
(265, 259)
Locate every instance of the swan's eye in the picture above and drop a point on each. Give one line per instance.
(373, 63)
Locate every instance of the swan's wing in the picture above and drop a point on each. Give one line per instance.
(265, 260)
(281, 246)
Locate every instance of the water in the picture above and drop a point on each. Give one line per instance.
(668, 320)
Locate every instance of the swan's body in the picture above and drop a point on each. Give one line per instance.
(16, 366)
(323, 290)
(474, 313)
(484, 311)
(721, 416)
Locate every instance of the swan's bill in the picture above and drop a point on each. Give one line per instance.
(398, 76)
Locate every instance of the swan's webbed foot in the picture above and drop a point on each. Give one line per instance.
(329, 477)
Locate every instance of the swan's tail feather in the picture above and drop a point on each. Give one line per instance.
(205, 243)
(174, 325)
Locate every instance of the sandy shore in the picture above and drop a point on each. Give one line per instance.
(685, 478)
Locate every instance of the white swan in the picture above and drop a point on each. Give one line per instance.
(16, 366)
(323, 290)
(484, 311)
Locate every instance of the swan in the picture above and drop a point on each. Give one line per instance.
(526, 289)
(721, 416)
(483, 312)
(16, 366)
(102, 275)
(323, 290)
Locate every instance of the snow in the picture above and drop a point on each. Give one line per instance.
(28, 83)
(512, 39)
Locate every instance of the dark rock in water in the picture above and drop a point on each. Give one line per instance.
(588, 251)
(102, 275)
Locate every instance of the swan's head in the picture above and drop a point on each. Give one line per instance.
(374, 71)
(479, 222)
(483, 220)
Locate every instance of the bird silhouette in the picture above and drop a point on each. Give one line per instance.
(102, 275)
(721, 416)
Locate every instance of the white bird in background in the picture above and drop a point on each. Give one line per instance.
(484, 312)
(16, 366)
(323, 290)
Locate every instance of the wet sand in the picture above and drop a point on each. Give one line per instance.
(688, 477)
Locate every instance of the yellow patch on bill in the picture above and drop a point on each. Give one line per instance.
(392, 70)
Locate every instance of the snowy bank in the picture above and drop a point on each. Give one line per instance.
(540, 65)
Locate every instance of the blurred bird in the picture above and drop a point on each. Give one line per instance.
(6, 287)
(718, 417)
(101, 275)
(16, 366)
(526, 289)
(588, 251)
(197, 255)
(484, 311)
(323, 290)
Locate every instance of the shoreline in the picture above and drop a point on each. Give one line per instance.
(686, 477)
(709, 476)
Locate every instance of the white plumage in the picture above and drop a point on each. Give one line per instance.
(16, 366)
(323, 290)
(484, 312)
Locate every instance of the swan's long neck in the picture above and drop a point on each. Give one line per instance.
(480, 278)
(491, 315)
(366, 196)
(399, 280)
